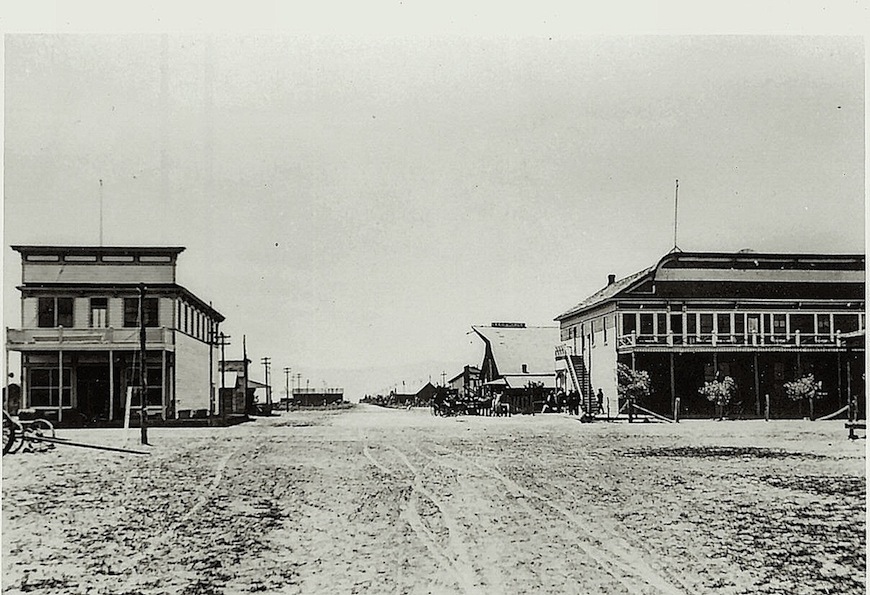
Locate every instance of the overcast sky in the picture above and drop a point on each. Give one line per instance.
(360, 201)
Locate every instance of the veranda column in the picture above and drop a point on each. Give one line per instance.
(757, 384)
(111, 385)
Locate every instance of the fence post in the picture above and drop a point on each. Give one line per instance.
(766, 406)
(677, 410)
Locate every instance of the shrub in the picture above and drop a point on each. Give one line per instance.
(633, 385)
(719, 392)
(805, 387)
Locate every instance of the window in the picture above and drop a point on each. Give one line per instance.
(824, 324)
(692, 324)
(677, 324)
(724, 324)
(131, 312)
(753, 323)
(804, 323)
(739, 323)
(154, 378)
(54, 312)
(604, 328)
(43, 387)
(525, 368)
(845, 323)
(662, 324)
(646, 324)
(629, 324)
(706, 324)
(99, 312)
(779, 324)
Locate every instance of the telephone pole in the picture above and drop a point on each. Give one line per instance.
(222, 343)
(287, 388)
(266, 362)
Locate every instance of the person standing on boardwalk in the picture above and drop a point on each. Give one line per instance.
(600, 398)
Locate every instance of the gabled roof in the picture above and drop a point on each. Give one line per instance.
(608, 292)
(514, 346)
(472, 370)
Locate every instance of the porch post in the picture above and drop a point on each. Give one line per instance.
(111, 385)
(839, 379)
(163, 382)
(59, 384)
(757, 385)
(673, 392)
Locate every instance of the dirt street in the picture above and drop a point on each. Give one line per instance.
(369, 500)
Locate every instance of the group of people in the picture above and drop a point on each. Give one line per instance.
(558, 401)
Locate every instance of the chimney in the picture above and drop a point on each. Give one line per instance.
(611, 279)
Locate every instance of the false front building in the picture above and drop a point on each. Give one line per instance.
(763, 319)
(80, 334)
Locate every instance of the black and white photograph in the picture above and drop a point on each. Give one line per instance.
(404, 299)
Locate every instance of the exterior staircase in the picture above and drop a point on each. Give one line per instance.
(580, 380)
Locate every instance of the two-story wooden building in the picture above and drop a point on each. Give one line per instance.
(763, 319)
(79, 337)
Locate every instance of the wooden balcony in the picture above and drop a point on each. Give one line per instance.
(730, 342)
(87, 339)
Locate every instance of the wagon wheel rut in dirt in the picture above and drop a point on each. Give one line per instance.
(619, 559)
(452, 558)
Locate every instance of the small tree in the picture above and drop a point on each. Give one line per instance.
(719, 392)
(632, 385)
(805, 387)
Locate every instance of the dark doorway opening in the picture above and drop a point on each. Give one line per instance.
(92, 391)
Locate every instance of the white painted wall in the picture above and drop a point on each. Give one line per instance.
(192, 390)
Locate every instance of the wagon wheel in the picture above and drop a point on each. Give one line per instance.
(9, 434)
(37, 429)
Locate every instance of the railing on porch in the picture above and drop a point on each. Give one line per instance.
(106, 337)
(772, 340)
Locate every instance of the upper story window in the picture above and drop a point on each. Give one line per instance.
(131, 312)
(629, 323)
(846, 323)
(99, 312)
(54, 312)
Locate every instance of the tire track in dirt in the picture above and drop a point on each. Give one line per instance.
(635, 573)
(453, 565)
(205, 494)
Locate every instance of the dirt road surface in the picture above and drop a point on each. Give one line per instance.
(370, 500)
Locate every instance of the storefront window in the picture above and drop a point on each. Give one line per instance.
(43, 387)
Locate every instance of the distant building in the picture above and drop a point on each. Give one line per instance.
(763, 319)
(79, 334)
(238, 393)
(518, 362)
(466, 382)
(317, 397)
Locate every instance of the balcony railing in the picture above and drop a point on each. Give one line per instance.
(794, 339)
(73, 338)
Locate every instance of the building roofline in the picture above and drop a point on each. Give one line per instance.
(721, 256)
(100, 250)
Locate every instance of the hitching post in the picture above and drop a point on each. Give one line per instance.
(766, 406)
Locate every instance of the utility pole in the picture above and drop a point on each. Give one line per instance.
(287, 388)
(249, 405)
(222, 342)
(676, 202)
(143, 377)
(101, 212)
(266, 361)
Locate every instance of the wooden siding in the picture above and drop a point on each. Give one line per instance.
(191, 374)
(97, 273)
